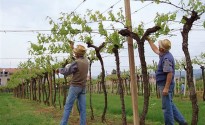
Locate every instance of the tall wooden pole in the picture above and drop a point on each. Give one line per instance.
(132, 65)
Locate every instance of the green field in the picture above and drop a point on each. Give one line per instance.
(14, 111)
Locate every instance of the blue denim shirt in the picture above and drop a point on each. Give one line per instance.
(166, 64)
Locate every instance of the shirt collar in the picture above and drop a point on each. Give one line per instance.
(162, 54)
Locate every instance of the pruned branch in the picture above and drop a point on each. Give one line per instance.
(126, 32)
(101, 46)
(150, 31)
(189, 21)
(95, 47)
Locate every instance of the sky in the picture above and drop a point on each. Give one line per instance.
(19, 21)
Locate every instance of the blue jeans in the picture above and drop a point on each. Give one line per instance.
(170, 111)
(79, 94)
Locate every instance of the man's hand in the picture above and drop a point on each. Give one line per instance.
(165, 91)
(147, 38)
(71, 44)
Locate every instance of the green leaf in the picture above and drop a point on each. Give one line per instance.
(88, 29)
(135, 45)
(167, 29)
(173, 16)
(88, 39)
(140, 30)
(115, 38)
(93, 17)
(34, 46)
(183, 21)
(101, 29)
(111, 16)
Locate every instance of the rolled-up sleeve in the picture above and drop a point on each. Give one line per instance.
(167, 66)
(68, 70)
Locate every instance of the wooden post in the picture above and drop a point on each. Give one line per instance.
(132, 65)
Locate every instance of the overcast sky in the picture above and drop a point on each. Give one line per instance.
(25, 15)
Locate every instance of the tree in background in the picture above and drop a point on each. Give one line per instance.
(179, 65)
(200, 60)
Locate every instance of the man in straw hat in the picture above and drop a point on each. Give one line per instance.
(79, 70)
(165, 81)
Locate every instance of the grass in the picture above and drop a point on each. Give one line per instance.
(114, 108)
(14, 111)
(154, 115)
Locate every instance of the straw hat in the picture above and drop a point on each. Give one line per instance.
(165, 44)
(79, 50)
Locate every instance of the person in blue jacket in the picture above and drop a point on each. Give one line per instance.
(165, 81)
(182, 89)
